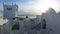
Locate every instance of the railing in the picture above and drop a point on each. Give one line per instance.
(42, 31)
(28, 32)
(25, 32)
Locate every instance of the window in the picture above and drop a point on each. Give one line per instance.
(9, 8)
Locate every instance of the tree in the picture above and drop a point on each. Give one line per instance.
(15, 26)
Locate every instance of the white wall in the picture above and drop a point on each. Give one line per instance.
(53, 22)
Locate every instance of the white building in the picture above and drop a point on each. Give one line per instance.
(10, 11)
(52, 21)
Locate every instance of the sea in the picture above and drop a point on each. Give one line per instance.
(29, 16)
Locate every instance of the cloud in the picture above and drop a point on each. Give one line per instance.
(21, 1)
(29, 5)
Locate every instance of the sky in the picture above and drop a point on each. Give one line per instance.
(33, 6)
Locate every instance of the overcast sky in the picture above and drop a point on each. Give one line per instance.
(33, 6)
